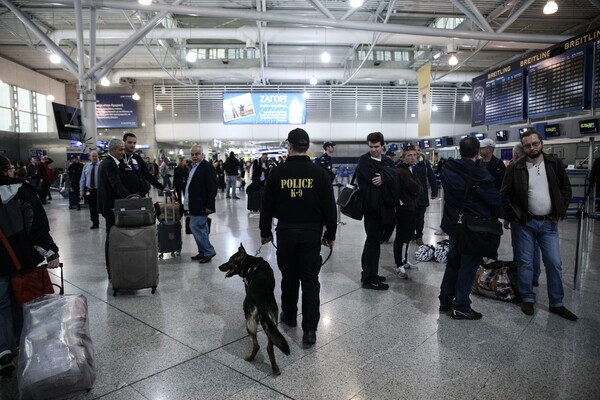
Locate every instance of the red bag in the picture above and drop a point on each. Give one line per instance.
(29, 285)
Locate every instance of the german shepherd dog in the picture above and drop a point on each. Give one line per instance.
(259, 305)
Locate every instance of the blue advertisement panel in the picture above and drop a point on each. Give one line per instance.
(264, 108)
(117, 110)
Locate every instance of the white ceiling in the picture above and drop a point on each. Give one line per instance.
(290, 42)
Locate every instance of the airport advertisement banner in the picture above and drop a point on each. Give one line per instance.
(264, 108)
(117, 110)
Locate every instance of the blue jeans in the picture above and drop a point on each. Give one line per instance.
(458, 278)
(9, 325)
(199, 227)
(231, 183)
(546, 235)
(537, 268)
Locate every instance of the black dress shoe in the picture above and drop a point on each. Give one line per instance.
(288, 321)
(206, 259)
(197, 257)
(309, 337)
(471, 314)
(563, 312)
(94, 227)
(375, 285)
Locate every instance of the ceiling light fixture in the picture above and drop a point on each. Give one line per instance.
(466, 98)
(437, 55)
(551, 7)
(313, 80)
(305, 95)
(136, 96)
(452, 61)
(434, 108)
(55, 58)
(50, 97)
(159, 107)
(356, 3)
(325, 57)
(369, 107)
(412, 115)
(145, 2)
(104, 81)
(191, 56)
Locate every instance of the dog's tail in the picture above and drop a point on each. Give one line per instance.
(270, 327)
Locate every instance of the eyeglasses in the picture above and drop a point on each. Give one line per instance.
(196, 154)
(532, 145)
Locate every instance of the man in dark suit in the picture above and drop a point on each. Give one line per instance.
(138, 166)
(200, 193)
(111, 186)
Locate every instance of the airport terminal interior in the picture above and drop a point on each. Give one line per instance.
(75, 73)
(188, 340)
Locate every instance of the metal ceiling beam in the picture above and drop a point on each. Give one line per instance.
(249, 15)
(514, 16)
(596, 3)
(105, 65)
(479, 16)
(66, 60)
(319, 6)
(470, 15)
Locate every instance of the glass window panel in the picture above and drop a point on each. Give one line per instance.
(42, 104)
(43, 123)
(25, 122)
(4, 95)
(24, 99)
(6, 119)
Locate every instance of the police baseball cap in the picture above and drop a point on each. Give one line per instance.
(487, 143)
(298, 137)
(327, 144)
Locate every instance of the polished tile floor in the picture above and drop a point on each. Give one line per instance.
(188, 340)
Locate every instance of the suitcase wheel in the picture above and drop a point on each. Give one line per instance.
(173, 254)
(153, 289)
(179, 253)
(160, 256)
(115, 291)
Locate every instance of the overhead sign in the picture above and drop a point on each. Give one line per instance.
(424, 78)
(117, 110)
(264, 108)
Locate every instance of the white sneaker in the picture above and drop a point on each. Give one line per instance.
(408, 265)
(401, 272)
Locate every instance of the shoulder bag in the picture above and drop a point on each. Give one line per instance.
(31, 284)
(350, 200)
(477, 236)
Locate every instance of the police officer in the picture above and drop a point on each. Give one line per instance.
(325, 160)
(299, 194)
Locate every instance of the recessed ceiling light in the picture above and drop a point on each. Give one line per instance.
(145, 2)
(466, 98)
(136, 96)
(55, 58)
(313, 80)
(191, 56)
(356, 3)
(305, 96)
(104, 81)
(551, 7)
(412, 115)
(369, 107)
(325, 57)
(434, 108)
(50, 97)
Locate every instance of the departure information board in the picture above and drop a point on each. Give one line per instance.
(504, 98)
(557, 84)
(597, 75)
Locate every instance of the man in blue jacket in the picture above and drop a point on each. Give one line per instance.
(200, 193)
(482, 199)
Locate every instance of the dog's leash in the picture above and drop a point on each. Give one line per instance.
(323, 263)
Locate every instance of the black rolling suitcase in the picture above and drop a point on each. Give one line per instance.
(169, 230)
(254, 200)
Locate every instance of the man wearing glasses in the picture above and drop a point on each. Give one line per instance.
(535, 194)
(200, 193)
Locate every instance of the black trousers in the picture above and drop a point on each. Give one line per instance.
(372, 247)
(420, 224)
(405, 226)
(298, 258)
(110, 222)
(93, 204)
